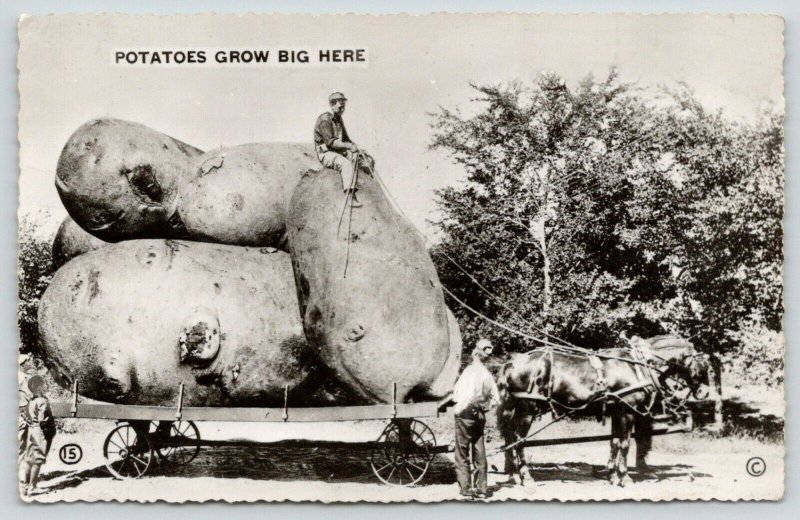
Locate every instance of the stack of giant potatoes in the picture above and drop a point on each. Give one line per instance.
(225, 272)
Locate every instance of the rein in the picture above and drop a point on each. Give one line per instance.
(646, 378)
(582, 352)
(555, 420)
(645, 382)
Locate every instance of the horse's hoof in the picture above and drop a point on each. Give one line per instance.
(614, 479)
(626, 480)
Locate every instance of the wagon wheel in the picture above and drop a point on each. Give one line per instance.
(182, 442)
(127, 454)
(403, 459)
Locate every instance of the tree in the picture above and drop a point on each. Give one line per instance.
(34, 272)
(606, 209)
(720, 230)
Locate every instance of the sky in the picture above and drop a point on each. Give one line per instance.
(415, 65)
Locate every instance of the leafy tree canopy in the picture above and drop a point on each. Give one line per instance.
(604, 209)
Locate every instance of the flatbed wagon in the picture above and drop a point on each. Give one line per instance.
(401, 455)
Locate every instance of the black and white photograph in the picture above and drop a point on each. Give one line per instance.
(396, 258)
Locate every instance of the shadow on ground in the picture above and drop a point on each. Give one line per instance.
(741, 418)
(290, 461)
(582, 472)
(325, 461)
(336, 463)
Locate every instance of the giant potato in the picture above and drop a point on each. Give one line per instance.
(118, 180)
(71, 241)
(446, 380)
(240, 195)
(133, 320)
(385, 322)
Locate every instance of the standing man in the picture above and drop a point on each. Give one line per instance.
(334, 148)
(475, 394)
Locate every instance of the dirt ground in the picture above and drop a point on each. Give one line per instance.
(686, 466)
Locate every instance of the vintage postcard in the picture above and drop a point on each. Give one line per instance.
(400, 258)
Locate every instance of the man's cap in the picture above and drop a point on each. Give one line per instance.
(482, 344)
(336, 95)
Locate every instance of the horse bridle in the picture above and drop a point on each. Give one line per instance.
(682, 370)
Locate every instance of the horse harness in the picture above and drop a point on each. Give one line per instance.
(643, 369)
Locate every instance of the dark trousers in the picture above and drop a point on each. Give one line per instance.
(469, 435)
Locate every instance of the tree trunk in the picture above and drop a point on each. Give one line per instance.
(716, 373)
(548, 295)
(541, 235)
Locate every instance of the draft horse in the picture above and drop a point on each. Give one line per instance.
(628, 385)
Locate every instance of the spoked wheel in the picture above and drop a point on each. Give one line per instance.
(404, 452)
(127, 453)
(181, 442)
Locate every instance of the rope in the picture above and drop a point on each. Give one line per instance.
(537, 432)
(347, 198)
(563, 346)
(427, 241)
(347, 248)
(496, 323)
(351, 193)
(565, 181)
(502, 303)
(581, 352)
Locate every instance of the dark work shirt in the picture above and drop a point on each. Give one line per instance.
(329, 128)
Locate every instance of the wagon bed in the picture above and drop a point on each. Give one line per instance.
(401, 455)
(124, 412)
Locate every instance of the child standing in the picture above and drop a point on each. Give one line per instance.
(40, 433)
(22, 420)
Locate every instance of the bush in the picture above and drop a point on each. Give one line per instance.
(758, 358)
(34, 272)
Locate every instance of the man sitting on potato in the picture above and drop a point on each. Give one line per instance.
(334, 148)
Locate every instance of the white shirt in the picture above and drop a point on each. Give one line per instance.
(475, 386)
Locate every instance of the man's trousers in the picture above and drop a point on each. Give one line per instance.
(469, 435)
(341, 164)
